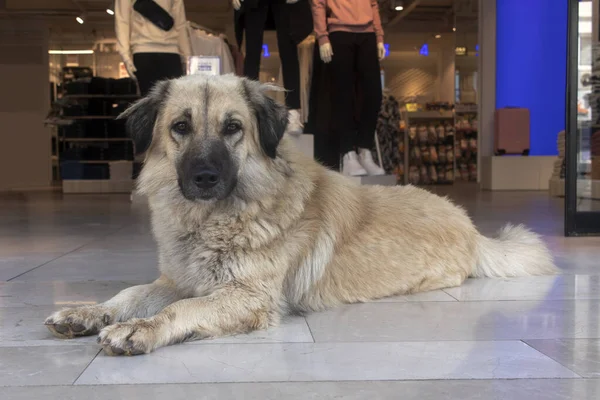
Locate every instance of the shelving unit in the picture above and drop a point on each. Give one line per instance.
(466, 142)
(91, 152)
(429, 147)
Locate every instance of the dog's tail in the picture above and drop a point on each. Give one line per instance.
(515, 252)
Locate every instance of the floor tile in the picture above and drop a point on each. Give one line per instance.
(326, 362)
(98, 265)
(499, 320)
(291, 330)
(24, 326)
(521, 389)
(60, 293)
(529, 288)
(579, 355)
(34, 366)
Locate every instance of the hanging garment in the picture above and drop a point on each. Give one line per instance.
(204, 44)
(136, 34)
(390, 138)
(305, 59)
(299, 22)
(355, 56)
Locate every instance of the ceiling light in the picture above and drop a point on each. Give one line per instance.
(80, 20)
(110, 12)
(398, 5)
(438, 36)
(70, 51)
(398, 8)
(454, 29)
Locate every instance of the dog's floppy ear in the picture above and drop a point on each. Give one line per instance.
(272, 117)
(141, 117)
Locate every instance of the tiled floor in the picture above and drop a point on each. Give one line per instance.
(530, 338)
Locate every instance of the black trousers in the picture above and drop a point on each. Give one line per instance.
(255, 19)
(154, 67)
(355, 56)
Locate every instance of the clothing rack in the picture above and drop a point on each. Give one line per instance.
(194, 25)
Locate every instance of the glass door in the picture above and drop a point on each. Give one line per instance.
(582, 139)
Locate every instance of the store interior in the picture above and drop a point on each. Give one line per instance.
(490, 104)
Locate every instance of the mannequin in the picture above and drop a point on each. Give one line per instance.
(150, 53)
(350, 38)
(293, 23)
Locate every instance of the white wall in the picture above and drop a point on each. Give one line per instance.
(24, 101)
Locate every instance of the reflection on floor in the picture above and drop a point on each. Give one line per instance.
(534, 338)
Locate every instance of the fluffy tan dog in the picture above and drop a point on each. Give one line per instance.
(248, 229)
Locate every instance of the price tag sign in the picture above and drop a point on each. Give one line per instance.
(210, 65)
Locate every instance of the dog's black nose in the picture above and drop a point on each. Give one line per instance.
(206, 179)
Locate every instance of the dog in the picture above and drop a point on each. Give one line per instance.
(248, 229)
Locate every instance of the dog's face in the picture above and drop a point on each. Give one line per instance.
(207, 128)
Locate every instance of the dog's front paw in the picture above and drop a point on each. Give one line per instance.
(81, 321)
(134, 337)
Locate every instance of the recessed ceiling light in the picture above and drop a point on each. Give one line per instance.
(398, 8)
(454, 29)
(110, 12)
(438, 36)
(80, 20)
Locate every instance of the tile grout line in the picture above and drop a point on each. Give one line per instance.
(444, 290)
(86, 367)
(309, 329)
(65, 254)
(549, 357)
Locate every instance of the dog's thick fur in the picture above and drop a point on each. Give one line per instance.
(283, 234)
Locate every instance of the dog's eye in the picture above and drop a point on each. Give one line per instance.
(232, 127)
(181, 128)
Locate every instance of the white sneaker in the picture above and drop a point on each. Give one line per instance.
(351, 166)
(295, 125)
(366, 160)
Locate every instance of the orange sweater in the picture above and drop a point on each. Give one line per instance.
(346, 16)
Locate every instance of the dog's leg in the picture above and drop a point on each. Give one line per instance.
(230, 310)
(135, 302)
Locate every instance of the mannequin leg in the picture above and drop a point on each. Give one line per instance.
(154, 67)
(288, 54)
(367, 65)
(255, 20)
(342, 74)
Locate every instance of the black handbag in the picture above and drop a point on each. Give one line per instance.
(155, 14)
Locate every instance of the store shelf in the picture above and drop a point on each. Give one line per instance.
(95, 139)
(102, 96)
(88, 117)
(430, 114)
(97, 186)
(98, 161)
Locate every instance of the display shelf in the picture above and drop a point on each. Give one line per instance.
(93, 154)
(466, 143)
(414, 115)
(101, 96)
(429, 147)
(97, 186)
(95, 140)
(89, 117)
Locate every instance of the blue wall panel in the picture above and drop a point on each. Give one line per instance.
(531, 65)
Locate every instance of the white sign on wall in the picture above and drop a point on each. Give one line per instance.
(210, 65)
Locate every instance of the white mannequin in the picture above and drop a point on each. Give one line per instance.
(343, 22)
(327, 52)
(238, 3)
(295, 125)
